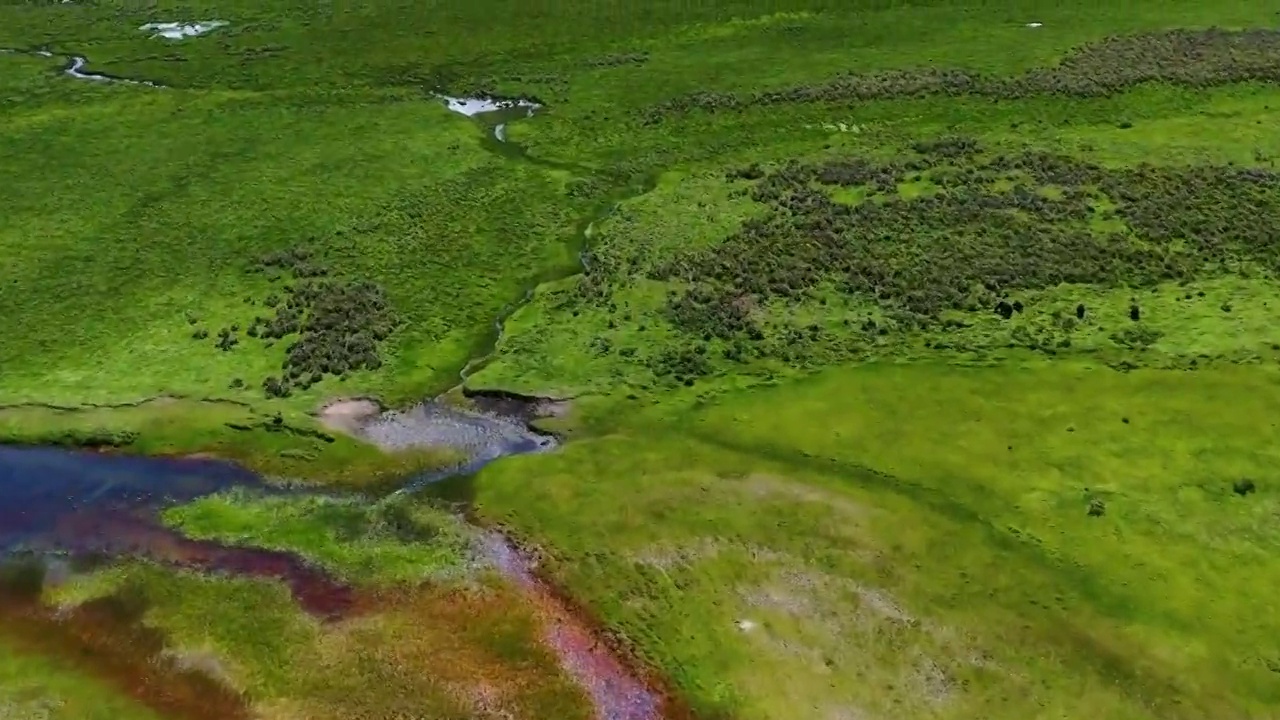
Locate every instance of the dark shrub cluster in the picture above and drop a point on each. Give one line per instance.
(990, 226)
(339, 324)
(1192, 58)
(297, 261)
(1244, 486)
(619, 59)
(227, 339)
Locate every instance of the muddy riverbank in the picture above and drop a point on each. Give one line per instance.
(480, 431)
(64, 507)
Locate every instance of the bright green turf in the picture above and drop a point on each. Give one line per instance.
(392, 541)
(167, 211)
(830, 510)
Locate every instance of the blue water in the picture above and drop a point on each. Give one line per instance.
(38, 486)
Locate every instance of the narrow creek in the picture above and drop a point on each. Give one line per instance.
(62, 507)
(75, 65)
(494, 116)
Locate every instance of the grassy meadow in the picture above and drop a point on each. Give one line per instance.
(921, 354)
(922, 541)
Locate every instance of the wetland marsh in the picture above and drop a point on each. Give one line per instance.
(744, 360)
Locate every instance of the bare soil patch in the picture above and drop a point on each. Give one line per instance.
(349, 415)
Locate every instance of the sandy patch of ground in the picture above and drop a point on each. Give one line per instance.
(932, 683)
(349, 415)
(553, 408)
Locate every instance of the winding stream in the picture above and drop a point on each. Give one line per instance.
(495, 115)
(57, 504)
(75, 68)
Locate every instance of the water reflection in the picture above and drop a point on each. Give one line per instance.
(40, 487)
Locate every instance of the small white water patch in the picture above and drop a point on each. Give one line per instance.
(178, 30)
(76, 70)
(478, 105)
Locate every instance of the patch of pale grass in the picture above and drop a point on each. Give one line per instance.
(772, 486)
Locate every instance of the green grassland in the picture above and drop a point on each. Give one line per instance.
(387, 543)
(916, 541)
(923, 362)
(614, 325)
(310, 127)
(166, 214)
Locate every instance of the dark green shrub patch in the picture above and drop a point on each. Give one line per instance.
(1191, 58)
(339, 323)
(990, 227)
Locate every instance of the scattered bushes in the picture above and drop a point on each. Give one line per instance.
(297, 261)
(1136, 337)
(93, 438)
(339, 323)
(619, 59)
(988, 230)
(1192, 58)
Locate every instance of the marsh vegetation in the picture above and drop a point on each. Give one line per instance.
(917, 361)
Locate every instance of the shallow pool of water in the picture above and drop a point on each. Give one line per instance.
(472, 106)
(58, 504)
(39, 487)
(180, 30)
(478, 435)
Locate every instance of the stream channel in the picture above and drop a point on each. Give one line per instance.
(64, 511)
